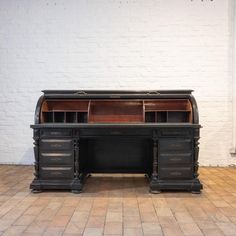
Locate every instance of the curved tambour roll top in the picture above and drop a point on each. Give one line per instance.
(117, 106)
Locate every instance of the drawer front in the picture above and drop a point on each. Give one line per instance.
(175, 173)
(56, 144)
(56, 172)
(114, 132)
(57, 158)
(56, 132)
(170, 145)
(176, 132)
(175, 158)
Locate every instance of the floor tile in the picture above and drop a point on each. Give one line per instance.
(93, 232)
(113, 228)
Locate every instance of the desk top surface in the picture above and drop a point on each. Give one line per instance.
(123, 125)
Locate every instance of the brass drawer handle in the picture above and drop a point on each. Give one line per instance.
(56, 168)
(56, 140)
(56, 154)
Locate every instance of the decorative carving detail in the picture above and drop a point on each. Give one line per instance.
(76, 150)
(154, 171)
(196, 152)
(36, 153)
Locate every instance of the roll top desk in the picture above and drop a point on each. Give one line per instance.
(151, 132)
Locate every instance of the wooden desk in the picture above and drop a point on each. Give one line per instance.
(151, 132)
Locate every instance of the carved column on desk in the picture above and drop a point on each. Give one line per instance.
(35, 185)
(36, 153)
(76, 186)
(154, 178)
(76, 153)
(154, 166)
(196, 185)
(196, 152)
(76, 148)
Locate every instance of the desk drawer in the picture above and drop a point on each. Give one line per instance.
(56, 144)
(175, 132)
(56, 132)
(175, 173)
(56, 172)
(114, 132)
(175, 158)
(57, 158)
(170, 145)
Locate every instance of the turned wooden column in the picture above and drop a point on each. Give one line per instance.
(155, 161)
(196, 152)
(36, 153)
(76, 152)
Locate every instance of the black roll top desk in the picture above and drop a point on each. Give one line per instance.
(77, 133)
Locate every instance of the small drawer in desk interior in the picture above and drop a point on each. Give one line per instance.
(56, 144)
(55, 132)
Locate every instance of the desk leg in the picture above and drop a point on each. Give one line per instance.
(154, 179)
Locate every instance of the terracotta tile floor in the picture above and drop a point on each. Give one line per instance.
(119, 205)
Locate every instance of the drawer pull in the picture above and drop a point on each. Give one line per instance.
(56, 158)
(56, 140)
(56, 168)
(56, 173)
(176, 173)
(56, 145)
(55, 154)
(175, 159)
(55, 133)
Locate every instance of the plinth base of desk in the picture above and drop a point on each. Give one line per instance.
(193, 186)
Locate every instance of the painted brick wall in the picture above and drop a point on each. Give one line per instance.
(115, 44)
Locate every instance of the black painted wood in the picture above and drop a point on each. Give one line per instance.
(69, 149)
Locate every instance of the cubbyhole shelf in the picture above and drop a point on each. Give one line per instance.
(178, 116)
(65, 117)
(167, 116)
(59, 117)
(82, 117)
(161, 116)
(47, 117)
(71, 117)
(150, 117)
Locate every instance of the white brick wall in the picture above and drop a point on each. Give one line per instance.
(115, 44)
